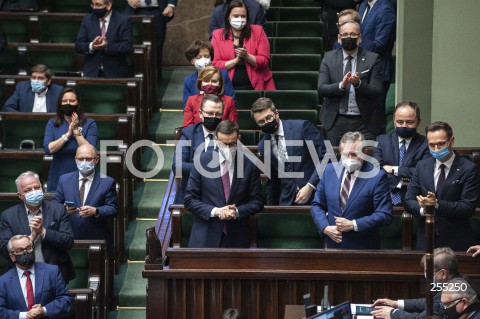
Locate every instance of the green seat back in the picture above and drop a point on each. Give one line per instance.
(104, 99)
(57, 60)
(249, 137)
(59, 31)
(80, 261)
(302, 80)
(107, 130)
(294, 231)
(390, 107)
(294, 99)
(245, 121)
(299, 29)
(391, 235)
(245, 99)
(16, 30)
(15, 131)
(307, 115)
(11, 169)
(298, 13)
(76, 6)
(295, 62)
(9, 61)
(297, 45)
(187, 222)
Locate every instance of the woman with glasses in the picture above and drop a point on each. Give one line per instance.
(64, 133)
(243, 50)
(210, 81)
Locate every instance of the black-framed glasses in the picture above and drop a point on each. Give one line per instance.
(21, 251)
(266, 120)
(349, 35)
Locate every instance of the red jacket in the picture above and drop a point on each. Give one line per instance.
(191, 114)
(257, 45)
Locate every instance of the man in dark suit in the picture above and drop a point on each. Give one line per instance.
(37, 95)
(223, 192)
(461, 304)
(19, 5)
(287, 140)
(105, 38)
(255, 13)
(164, 11)
(32, 289)
(451, 184)
(46, 223)
(445, 268)
(399, 152)
(352, 200)
(350, 82)
(94, 197)
(201, 138)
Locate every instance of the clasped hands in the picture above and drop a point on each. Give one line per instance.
(350, 79)
(429, 200)
(241, 52)
(227, 212)
(37, 228)
(35, 312)
(99, 43)
(342, 225)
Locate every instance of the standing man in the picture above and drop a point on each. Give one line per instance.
(223, 192)
(46, 223)
(105, 38)
(350, 82)
(288, 140)
(32, 289)
(37, 95)
(94, 197)
(399, 152)
(349, 208)
(450, 183)
(164, 11)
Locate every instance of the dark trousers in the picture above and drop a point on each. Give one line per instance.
(347, 123)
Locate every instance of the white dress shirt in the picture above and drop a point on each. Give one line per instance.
(40, 102)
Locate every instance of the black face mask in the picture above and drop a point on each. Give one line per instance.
(211, 123)
(25, 260)
(270, 127)
(100, 13)
(451, 312)
(68, 109)
(406, 132)
(349, 44)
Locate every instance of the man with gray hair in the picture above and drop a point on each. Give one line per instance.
(460, 300)
(46, 223)
(352, 200)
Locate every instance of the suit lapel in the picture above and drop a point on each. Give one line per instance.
(455, 170)
(39, 278)
(339, 62)
(93, 188)
(23, 219)
(111, 25)
(218, 180)
(430, 171)
(16, 289)
(288, 135)
(359, 183)
(360, 61)
(412, 149)
(395, 148)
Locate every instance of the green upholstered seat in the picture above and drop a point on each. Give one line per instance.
(295, 62)
(475, 222)
(294, 99)
(299, 29)
(249, 137)
(57, 59)
(391, 235)
(390, 107)
(16, 30)
(308, 115)
(245, 98)
(245, 121)
(59, 31)
(103, 99)
(9, 61)
(187, 222)
(15, 131)
(303, 13)
(80, 261)
(11, 169)
(295, 45)
(270, 28)
(296, 3)
(299, 80)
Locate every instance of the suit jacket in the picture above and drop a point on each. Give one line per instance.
(58, 238)
(50, 291)
(369, 204)
(387, 152)
(26, 5)
(367, 95)
(205, 193)
(190, 86)
(191, 114)
(114, 57)
(282, 191)
(260, 76)
(23, 98)
(255, 13)
(456, 203)
(379, 32)
(102, 195)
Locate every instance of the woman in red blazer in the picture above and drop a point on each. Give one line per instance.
(210, 81)
(243, 50)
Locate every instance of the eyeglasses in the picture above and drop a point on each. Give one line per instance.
(349, 35)
(439, 145)
(212, 114)
(97, 5)
(21, 251)
(266, 120)
(87, 159)
(450, 303)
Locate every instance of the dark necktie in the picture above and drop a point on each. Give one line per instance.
(396, 197)
(226, 188)
(82, 191)
(103, 29)
(29, 290)
(345, 190)
(210, 141)
(441, 180)
(367, 10)
(346, 94)
(148, 2)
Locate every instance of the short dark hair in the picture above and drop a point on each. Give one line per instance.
(411, 104)
(439, 125)
(262, 104)
(246, 31)
(60, 118)
(206, 75)
(194, 49)
(40, 68)
(212, 98)
(227, 127)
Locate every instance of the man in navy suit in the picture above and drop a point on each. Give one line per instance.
(200, 136)
(255, 13)
(352, 200)
(287, 140)
(89, 215)
(399, 152)
(32, 289)
(223, 192)
(105, 38)
(451, 184)
(37, 95)
(46, 223)
(350, 84)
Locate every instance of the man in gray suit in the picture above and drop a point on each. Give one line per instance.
(351, 84)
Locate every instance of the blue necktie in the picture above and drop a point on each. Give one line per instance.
(396, 197)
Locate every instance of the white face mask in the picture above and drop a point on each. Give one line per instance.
(238, 23)
(200, 64)
(351, 165)
(228, 153)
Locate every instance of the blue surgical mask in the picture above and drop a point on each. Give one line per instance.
(85, 167)
(441, 153)
(37, 86)
(34, 197)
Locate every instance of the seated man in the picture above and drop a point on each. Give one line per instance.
(352, 200)
(287, 140)
(91, 198)
(18, 297)
(460, 302)
(37, 95)
(400, 151)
